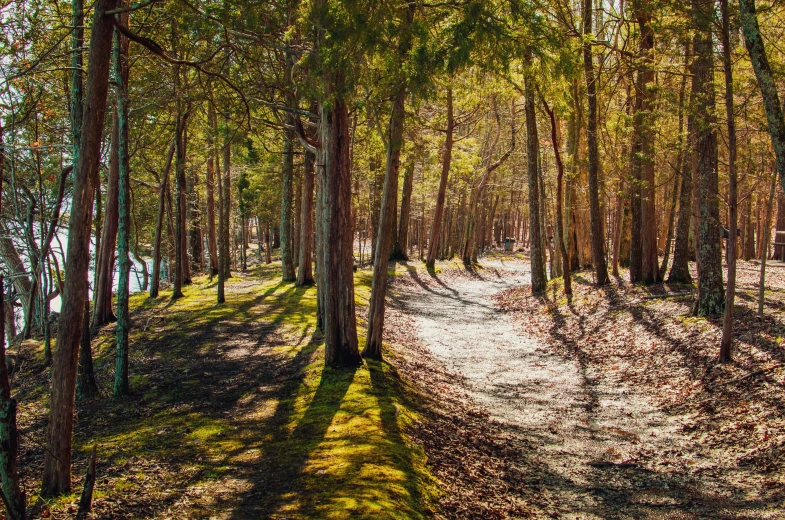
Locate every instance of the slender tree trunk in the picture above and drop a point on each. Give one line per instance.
(227, 199)
(711, 295)
(104, 274)
(439, 210)
(402, 236)
(287, 173)
(680, 271)
(765, 242)
(212, 242)
(373, 344)
(159, 219)
(726, 351)
(532, 155)
(559, 235)
(86, 386)
(121, 75)
(768, 87)
(305, 268)
(57, 462)
(595, 215)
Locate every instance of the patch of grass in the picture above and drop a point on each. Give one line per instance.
(234, 411)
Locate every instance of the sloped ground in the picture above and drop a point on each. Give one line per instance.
(604, 407)
(233, 416)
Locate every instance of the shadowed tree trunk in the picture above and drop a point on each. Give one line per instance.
(86, 386)
(212, 242)
(726, 352)
(13, 496)
(559, 235)
(595, 215)
(124, 211)
(305, 267)
(402, 236)
(680, 271)
(104, 275)
(57, 462)
(436, 225)
(159, 219)
(536, 245)
(287, 173)
(711, 295)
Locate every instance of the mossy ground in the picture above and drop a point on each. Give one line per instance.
(233, 415)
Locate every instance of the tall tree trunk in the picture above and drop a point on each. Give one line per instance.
(532, 158)
(768, 87)
(402, 236)
(304, 267)
(57, 462)
(650, 272)
(121, 74)
(726, 352)
(680, 270)
(86, 386)
(13, 496)
(287, 173)
(559, 235)
(765, 241)
(336, 272)
(159, 219)
(373, 344)
(212, 242)
(436, 225)
(104, 272)
(711, 295)
(595, 215)
(227, 201)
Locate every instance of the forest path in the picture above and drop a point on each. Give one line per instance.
(585, 448)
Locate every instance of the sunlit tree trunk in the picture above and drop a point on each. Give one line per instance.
(440, 195)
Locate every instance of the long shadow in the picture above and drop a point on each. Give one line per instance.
(287, 455)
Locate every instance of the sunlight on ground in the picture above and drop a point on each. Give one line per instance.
(234, 414)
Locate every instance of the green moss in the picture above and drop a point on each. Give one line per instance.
(334, 441)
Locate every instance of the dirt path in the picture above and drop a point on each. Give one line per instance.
(588, 449)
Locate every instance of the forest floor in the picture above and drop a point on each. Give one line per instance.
(490, 404)
(233, 415)
(611, 405)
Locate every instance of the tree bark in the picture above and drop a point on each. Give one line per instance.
(711, 296)
(305, 267)
(159, 219)
(402, 236)
(559, 235)
(212, 242)
(121, 74)
(336, 272)
(13, 496)
(373, 344)
(287, 173)
(104, 275)
(680, 270)
(439, 210)
(86, 386)
(57, 462)
(532, 158)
